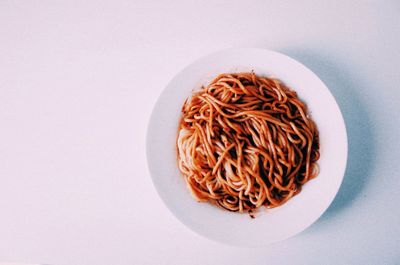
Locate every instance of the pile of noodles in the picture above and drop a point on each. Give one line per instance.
(245, 141)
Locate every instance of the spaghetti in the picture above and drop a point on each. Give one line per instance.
(246, 141)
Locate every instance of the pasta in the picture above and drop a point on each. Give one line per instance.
(246, 141)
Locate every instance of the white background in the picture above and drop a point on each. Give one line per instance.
(78, 80)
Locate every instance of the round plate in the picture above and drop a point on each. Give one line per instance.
(270, 225)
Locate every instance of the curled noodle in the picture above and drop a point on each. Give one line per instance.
(246, 141)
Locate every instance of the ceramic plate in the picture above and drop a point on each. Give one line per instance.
(270, 225)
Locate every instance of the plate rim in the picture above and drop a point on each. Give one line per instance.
(292, 61)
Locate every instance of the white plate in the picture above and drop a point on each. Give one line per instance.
(270, 225)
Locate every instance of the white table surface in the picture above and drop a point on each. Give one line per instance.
(78, 80)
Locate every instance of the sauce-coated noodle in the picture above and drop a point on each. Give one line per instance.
(245, 141)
